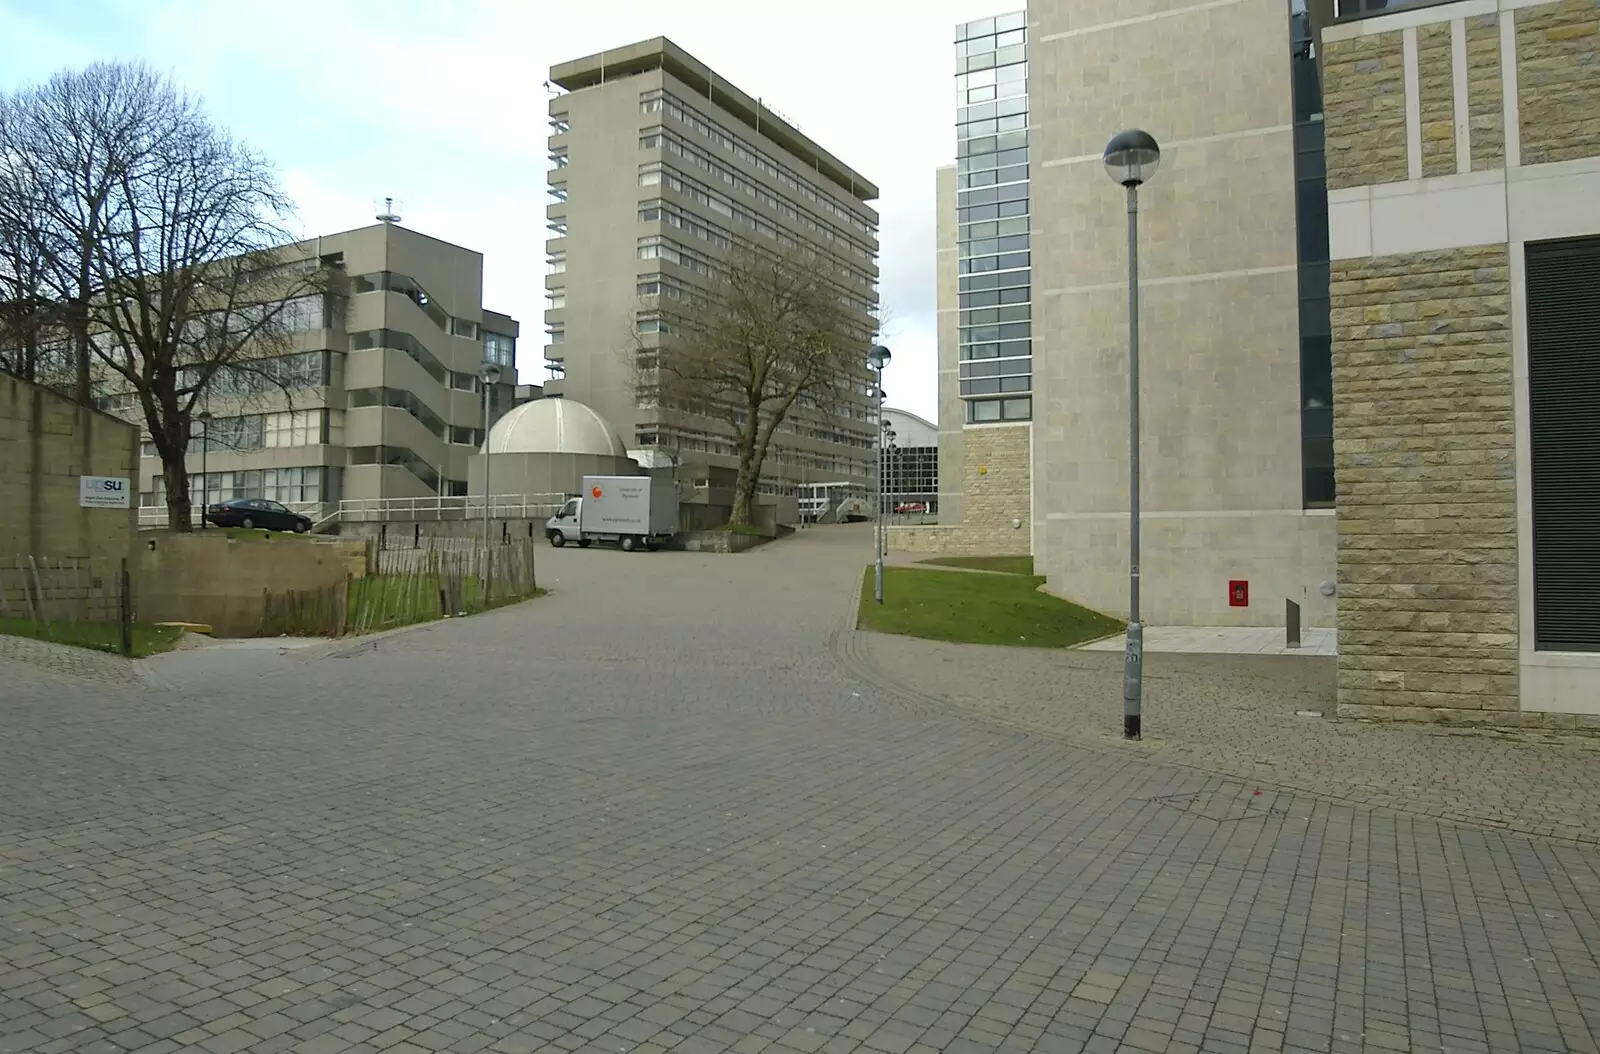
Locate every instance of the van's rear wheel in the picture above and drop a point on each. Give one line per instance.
(629, 543)
(557, 539)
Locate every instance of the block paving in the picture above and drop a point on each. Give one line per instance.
(653, 811)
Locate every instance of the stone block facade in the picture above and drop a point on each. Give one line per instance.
(1365, 106)
(1436, 96)
(1424, 451)
(48, 441)
(1486, 117)
(1558, 80)
(997, 480)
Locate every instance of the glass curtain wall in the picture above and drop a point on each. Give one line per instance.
(992, 198)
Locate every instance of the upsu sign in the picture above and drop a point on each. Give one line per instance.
(105, 492)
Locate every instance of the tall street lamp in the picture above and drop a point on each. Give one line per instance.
(877, 358)
(205, 450)
(1131, 158)
(488, 377)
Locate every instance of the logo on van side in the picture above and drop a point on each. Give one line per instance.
(596, 492)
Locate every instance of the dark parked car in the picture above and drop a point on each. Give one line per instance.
(256, 512)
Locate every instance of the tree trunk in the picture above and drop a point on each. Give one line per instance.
(744, 487)
(180, 510)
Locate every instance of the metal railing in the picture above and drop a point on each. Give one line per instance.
(461, 507)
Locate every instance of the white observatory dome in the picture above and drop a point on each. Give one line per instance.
(554, 426)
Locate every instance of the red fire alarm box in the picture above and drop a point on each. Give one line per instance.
(1238, 593)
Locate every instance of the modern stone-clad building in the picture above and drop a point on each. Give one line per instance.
(1464, 202)
(380, 400)
(659, 166)
(1237, 420)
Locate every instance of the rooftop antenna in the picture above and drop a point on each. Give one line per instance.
(387, 213)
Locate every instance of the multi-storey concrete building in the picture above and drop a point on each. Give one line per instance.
(381, 399)
(659, 167)
(1464, 191)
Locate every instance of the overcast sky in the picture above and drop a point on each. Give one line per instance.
(441, 104)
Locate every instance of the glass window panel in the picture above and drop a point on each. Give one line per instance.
(987, 410)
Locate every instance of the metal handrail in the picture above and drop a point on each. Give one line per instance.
(436, 507)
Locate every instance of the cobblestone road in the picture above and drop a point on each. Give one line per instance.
(652, 812)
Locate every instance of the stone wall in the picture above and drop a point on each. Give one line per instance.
(997, 481)
(223, 581)
(1424, 449)
(1436, 96)
(1365, 103)
(1558, 80)
(46, 442)
(1485, 95)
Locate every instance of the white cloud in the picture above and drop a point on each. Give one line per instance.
(441, 104)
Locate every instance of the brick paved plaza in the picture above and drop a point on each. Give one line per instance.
(679, 805)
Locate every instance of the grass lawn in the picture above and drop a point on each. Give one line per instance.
(1009, 565)
(386, 601)
(978, 609)
(101, 636)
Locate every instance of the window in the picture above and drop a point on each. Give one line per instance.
(558, 159)
(555, 299)
(558, 335)
(557, 226)
(558, 193)
(983, 412)
(560, 124)
(557, 263)
(303, 313)
(462, 328)
(499, 348)
(293, 428)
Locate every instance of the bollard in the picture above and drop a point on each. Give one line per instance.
(1291, 622)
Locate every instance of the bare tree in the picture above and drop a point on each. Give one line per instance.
(163, 241)
(771, 334)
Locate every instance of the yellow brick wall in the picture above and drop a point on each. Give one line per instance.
(1364, 100)
(1436, 83)
(997, 476)
(1424, 452)
(1558, 80)
(1485, 96)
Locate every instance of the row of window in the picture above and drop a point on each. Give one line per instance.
(985, 316)
(970, 232)
(993, 159)
(989, 177)
(1002, 262)
(660, 211)
(655, 173)
(777, 203)
(655, 247)
(993, 278)
(988, 411)
(997, 368)
(291, 486)
(663, 286)
(1003, 349)
(1007, 79)
(654, 138)
(664, 102)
